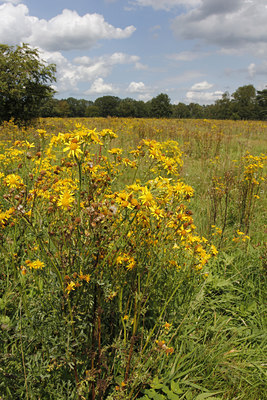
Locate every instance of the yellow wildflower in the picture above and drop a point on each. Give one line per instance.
(71, 286)
(157, 212)
(73, 148)
(65, 199)
(146, 197)
(13, 181)
(37, 264)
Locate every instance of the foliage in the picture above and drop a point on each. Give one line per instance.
(107, 105)
(261, 99)
(242, 104)
(25, 83)
(107, 291)
(161, 106)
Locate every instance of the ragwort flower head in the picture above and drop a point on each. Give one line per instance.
(65, 200)
(37, 264)
(73, 148)
(13, 181)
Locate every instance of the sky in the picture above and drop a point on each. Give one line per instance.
(192, 50)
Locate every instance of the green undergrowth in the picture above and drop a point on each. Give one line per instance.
(140, 323)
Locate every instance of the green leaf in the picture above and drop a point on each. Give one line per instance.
(159, 397)
(176, 388)
(151, 393)
(171, 395)
(156, 383)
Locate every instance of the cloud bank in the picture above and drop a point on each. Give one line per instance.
(228, 23)
(66, 31)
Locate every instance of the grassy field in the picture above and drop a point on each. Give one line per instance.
(133, 260)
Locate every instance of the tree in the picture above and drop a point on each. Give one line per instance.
(244, 102)
(62, 109)
(195, 110)
(25, 82)
(78, 107)
(180, 110)
(261, 99)
(161, 106)
(127, 108)
(107, 105)
(223, 107)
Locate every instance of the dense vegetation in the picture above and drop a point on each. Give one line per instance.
(132, 259)
(244, 104)
(25, 83)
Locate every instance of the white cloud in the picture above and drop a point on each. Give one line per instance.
(198, 93)
(140, 66)
(122, 58)
(145, 97)
(227, 23)
(252, 70)
(99, 87)
(201, 86)
(136, 87)
(85, 69)
(65, 31)
(203, 97)
(166, 5)
(14, 26)
(83, 60)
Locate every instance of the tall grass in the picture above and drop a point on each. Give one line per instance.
(133, 260)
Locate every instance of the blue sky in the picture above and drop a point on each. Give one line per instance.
(193, 50)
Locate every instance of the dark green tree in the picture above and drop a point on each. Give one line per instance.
(127, 108)
(195, 110)
(180, 110)
(92, 111)
(244, 102)
(261, 100)
(25, 83)
(78, 106)
(108, 105)
(62, 109)
(161, 106)
(223, 108)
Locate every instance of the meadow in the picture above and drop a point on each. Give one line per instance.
(133, 259)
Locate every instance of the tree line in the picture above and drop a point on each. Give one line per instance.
(244, 104)
(26, 93)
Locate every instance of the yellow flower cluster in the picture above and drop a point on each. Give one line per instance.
(37, 264)
(253, 168)
(126, 260)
